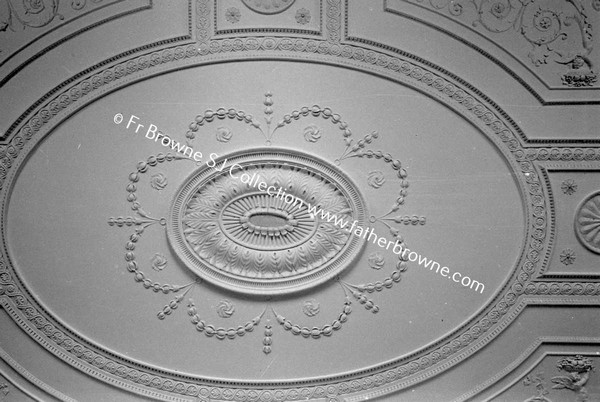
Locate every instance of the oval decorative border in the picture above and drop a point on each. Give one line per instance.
(397, 68)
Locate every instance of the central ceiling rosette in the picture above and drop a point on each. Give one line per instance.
(234, 235)
(269, 222)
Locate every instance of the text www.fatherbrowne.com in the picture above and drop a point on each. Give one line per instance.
(367, 233)
(343, 223)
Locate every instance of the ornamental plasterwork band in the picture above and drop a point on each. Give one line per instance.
(545, 25)
(212, 225)
(467, 101)
(39, 18)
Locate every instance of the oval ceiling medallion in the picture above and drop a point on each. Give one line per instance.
(248, 224)
(268, 6)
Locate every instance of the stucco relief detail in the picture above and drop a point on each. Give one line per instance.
(40, 16)
(224, 134)
(311, 308)
(33, 14)
(250, 236)
(213, 229)
(577, 371)
(233, 15)
(587, 222)
(141, 221)
(454, 95)
(268, 7)
(312, 133)
(567, 256)
(545, 25)
(4, 389)
(210, 330)
(303, 16)
(203, 10)
(159, 262)
(158, 181)
(334, 20)
(316, 332)
(569, 187)
(16, 14)
(376, 178)
(272, 17)
(376, 260)
(358, 291)
(267, 340)
(537, 380)
(563, 154)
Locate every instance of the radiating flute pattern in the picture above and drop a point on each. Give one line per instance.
(250, 243)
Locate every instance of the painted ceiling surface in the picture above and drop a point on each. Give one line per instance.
(252, 200)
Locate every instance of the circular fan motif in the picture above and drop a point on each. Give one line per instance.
(268, 6)
(587, 222)
(248, 226)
